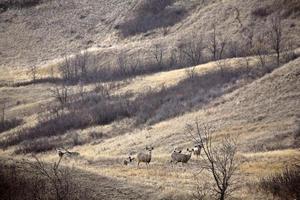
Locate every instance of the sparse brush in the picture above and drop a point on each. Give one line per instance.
(285, 185)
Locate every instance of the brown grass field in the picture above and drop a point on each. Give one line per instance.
(261, 113)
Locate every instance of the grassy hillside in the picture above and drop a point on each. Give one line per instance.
(53, 29)
(105, 79)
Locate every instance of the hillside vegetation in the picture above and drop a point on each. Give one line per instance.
(88, 87)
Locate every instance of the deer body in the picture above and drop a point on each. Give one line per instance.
(181, 157)
(197, 150)
(144, 157)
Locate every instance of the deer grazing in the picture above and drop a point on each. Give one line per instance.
(144, 157)
(177, 157)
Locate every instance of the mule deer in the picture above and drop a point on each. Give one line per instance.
(144, 157)
(181, 157)
(62, 151)
(197, 150)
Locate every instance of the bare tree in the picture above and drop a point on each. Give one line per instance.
(158, 54)
(237, 16)
(276, 36)
(216, 45)
(80, 65)
(61, 94)
(219, 160)
(134, 63)
(248, 34)
(32, 72)
(65, 69)
(213, 43)
(59, 179)
(3, 107)
(173, 60)
(122, 64)
(193, 50)
(260, 50)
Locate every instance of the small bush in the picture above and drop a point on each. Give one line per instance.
(285, 185)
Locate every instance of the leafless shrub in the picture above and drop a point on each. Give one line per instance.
(62, 95)
(158, 54)
(103, 90)
(248, 70)
(260, 50)
(285, 185)
(60, 180)
(237, 16)
(219, 160)
(16, 185)
(38, 180)
(174, 62)
(32, 72)
(216, 45)
(288, 52)
(3, 107)
(193, 50)
(275, 36)
(74, 69)
(203, 191)
(122, 64)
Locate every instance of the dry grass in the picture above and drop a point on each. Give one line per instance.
(263, 115)
(252, 128)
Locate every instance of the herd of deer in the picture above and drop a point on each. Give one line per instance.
(177, 156)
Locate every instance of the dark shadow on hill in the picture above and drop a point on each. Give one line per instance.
(149, 15)
(22, 180)
(12, 4)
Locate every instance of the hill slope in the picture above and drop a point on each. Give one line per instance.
(53, 29)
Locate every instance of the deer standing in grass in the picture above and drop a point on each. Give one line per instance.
(181, 157)
(197, 150)
(144, 157)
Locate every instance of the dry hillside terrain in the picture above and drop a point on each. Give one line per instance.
(88, 87)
